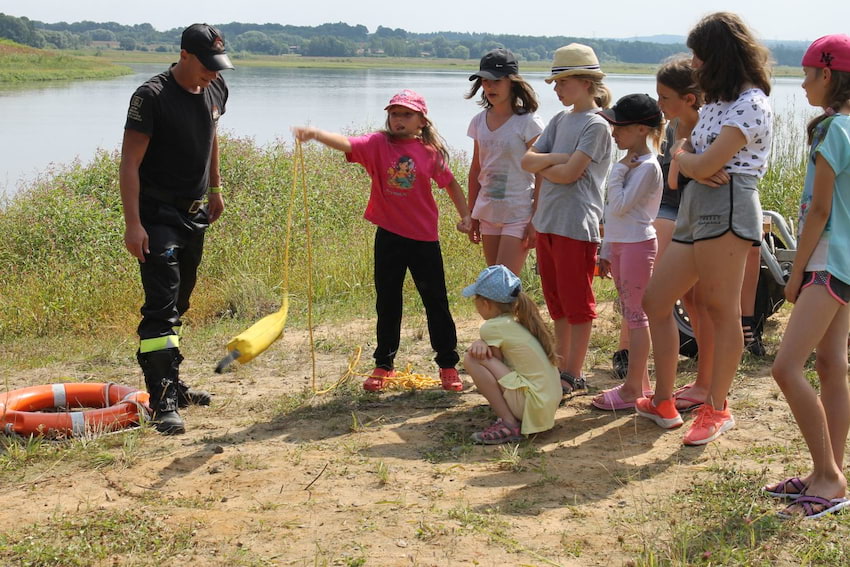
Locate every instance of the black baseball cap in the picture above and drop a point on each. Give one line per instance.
(496, 64)
(634, 109)
(207, 44)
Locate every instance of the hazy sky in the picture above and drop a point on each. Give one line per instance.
(777, 19)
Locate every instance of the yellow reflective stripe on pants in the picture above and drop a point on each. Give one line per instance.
(159, 343)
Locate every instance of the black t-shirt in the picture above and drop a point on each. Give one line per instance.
(669, 197)
(181, 127)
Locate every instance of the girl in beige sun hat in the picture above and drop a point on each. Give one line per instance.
(575, 59)
(572, 156)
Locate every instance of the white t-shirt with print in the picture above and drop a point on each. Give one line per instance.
(752, 115)
(506, 189)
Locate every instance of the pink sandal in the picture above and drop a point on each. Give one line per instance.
(610, 400)
(499, 432)
(690, 403)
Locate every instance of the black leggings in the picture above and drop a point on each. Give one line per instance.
(394, 255)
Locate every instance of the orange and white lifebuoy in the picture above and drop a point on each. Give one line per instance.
(116, 407)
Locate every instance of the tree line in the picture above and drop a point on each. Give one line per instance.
(344, 40)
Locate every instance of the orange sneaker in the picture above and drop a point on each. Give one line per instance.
(450, 379)
(664, 414)
(709, 425)
(376, 381)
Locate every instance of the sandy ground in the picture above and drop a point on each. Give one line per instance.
(392, 479)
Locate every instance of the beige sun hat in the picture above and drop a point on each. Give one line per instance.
(575, 59)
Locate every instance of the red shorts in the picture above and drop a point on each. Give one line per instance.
(566, 269)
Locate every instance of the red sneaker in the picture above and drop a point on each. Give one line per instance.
(709, 425)
(377, 380)
(450, 379)
(664, 414)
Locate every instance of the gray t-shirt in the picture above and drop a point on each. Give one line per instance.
(574, 210)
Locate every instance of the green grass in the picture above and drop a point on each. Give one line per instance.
(21, 64)
(93, 537)
(64, 236)
(722, 519)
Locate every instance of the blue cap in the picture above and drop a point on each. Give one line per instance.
(496, 283)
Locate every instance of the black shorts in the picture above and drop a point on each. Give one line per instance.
(836, 288)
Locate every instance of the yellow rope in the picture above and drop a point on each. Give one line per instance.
(299, 156)
(407, 380)
(403, 379)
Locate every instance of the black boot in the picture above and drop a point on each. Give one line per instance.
(160, 370)
(752, 336)
(187, 395)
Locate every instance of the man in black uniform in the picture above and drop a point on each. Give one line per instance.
(171, 191)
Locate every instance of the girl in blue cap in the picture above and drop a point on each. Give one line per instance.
(819, 288)
(513, 364)
(501, 193)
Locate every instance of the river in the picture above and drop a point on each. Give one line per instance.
(55, 124)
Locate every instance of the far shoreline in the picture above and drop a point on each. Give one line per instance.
(306, 62)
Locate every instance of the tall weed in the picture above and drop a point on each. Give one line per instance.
(64, 269)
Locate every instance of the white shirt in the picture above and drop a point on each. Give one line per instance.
(506, 189)
(751, 114)
(632, 201)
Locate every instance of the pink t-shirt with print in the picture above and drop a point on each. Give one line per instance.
(401, 170)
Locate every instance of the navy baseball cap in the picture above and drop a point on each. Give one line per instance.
(497, 283)
(207, 44)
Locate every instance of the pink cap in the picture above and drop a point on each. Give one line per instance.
(409, 99)
(831, 51)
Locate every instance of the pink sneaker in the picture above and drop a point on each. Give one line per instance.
(450, 379)
(708, 425)
(377, 380)
(664, 414)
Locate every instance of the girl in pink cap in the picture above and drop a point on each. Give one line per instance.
(402, 160)
(819, 288)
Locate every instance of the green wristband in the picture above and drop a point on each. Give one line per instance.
(214, 190)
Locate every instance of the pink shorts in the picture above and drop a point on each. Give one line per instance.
(515, 229)
(631, 267)
(566, 269)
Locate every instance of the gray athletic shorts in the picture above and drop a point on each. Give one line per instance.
(709, 212)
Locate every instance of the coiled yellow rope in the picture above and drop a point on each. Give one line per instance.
(403, 379)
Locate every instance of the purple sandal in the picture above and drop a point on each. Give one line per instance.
(791, 488)
(496, 434)
(807, 505)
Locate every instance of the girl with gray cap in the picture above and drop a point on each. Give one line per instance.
(630, 245)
